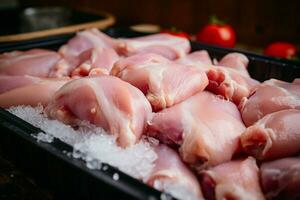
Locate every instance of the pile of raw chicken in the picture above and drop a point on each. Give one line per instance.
(223, 134)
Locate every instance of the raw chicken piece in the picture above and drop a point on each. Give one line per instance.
(281, 178)
(170, 171)
(274, 136)
(164, 83)
(35, 62)
(11, 82)
(270, 96)
(100, 61)
(169, 46)
(230, 83)
(234, 180)
(79, 49)
(85, 40)
(27, 90)
(137, 61)
(105, 101)
(236, 61)
(231, 80)
(205, 127)
(198, 58)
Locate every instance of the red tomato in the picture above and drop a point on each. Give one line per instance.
(216, 34)
(281, 50)
(177, 33)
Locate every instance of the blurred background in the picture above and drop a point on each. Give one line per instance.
(256, 22)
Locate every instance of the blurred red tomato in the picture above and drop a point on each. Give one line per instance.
(281, 50)
(217, 33)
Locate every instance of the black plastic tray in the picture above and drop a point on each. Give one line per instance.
(69, 177)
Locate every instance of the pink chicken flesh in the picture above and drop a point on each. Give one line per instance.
(230, 79)
(281, 178)
(166, 45)
(164, 83)
(85, 40)
(234, 180)
(100, 61)
(35, 62)
(76, 52)
(105, 101)
(28, 90)
(170, 171)
(205, 127)
(236, 61)
(80, 49)
(230, 83)
(270, 96)
(198, 59)
(274, 136)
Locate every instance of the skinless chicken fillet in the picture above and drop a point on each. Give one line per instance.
(35, 62)
(196, 125)
(270, 96)
(163, 82)
(228, 78)
(99, 61)
(105, 101)
(274, 136)
(172, 171)
(236, 61)
(166, 45)
(198, 59)
(87, 47)
(28, 90)
(281, 178)
(234, 180)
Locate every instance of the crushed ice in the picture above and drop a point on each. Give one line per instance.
(92, 143)
(96, 146)
(43, 137)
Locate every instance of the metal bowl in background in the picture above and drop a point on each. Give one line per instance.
(41, 18)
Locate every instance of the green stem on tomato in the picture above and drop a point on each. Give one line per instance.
(213, 19)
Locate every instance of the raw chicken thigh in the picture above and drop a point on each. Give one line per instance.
(169, 46)
(164, 83)
(230, 83)
(234, 180)
(230, 79)
(99, 61)
(199, 59)
(87, 47)
(139, 60)
(169, 171)
(85, 40)
(28, 90)
(270, 96)
(276, 135)
(105, 101)
(35, 62)
(8, 82)
(281, 178)
(236, 61)
(205, 127)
